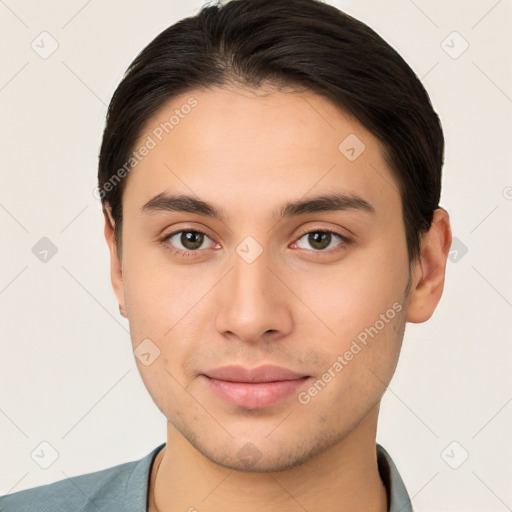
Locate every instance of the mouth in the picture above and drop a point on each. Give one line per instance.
(256, 388)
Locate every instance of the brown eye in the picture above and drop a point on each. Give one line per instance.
(191, 240)
(187, 240)
(320, 240)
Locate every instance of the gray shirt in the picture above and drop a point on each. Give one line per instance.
(124, 488)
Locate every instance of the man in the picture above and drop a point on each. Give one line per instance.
(270, 175)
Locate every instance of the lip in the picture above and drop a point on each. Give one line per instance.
(255, 388)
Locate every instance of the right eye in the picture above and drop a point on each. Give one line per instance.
(186, 242)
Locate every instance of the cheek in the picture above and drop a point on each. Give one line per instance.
(359, 366)
(166, 305)
(361, 301)
(357, 294)
(156, 297)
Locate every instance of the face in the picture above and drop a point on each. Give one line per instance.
(273, 326)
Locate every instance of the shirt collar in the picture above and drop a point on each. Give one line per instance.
(398, 498)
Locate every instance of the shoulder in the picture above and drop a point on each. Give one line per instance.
(121, 487)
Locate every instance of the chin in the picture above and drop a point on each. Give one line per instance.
(258, 456)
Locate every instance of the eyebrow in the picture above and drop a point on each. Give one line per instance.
(322, 203)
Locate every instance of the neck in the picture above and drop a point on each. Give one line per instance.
(343, 478)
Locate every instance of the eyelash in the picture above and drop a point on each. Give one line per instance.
(345, 241)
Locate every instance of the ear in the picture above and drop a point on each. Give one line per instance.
(429, 270)
(116, 273)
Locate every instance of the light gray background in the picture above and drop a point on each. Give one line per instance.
(68, 376)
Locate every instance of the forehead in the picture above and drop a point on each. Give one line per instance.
(258, 147)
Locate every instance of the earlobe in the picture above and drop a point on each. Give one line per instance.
(428, 273)
(116, 274)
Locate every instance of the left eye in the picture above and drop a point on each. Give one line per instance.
(320, 240)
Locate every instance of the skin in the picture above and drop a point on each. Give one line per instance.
(248, 152)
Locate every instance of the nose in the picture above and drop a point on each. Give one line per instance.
(254, 302)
